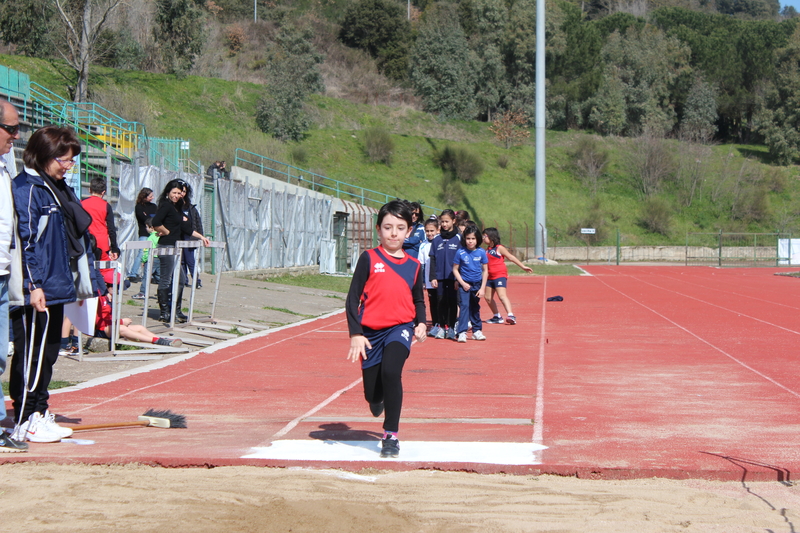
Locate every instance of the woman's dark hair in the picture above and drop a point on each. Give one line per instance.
(397, 208)
(471, 229)
(48, 143)
(143, 194)
(172, 184)
(493, 235)
(415, 206)
(188, 188)
(448, 213)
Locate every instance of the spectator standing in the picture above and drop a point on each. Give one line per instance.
(102, 226)
(58, 268)
(144, 209)
(417, 237)
(170, 223)
(9, 254)
(190, 255)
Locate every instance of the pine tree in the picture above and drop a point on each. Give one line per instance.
(442, 69)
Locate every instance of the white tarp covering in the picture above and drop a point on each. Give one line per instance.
(131, 182)
(789, 248)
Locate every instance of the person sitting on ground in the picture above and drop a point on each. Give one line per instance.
(127, 330)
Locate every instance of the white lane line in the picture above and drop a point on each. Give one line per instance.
(684, 281)
(698, 337)
(203, 369)
(538, 414)
(180, 358)
(291, 425)
(739, 313)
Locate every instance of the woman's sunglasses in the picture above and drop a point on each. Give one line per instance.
(11, 130)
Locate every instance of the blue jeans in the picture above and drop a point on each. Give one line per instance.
(469, 307)
(3, 335)
(136, 266)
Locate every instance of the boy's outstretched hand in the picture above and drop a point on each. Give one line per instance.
(358, 348)
(420, 332)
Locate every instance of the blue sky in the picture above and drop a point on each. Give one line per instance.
(795, 3)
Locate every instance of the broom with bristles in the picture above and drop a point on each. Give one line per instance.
(152, 418)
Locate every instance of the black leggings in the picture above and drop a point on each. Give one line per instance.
(383, 382)
(448, 302)
(46, 333)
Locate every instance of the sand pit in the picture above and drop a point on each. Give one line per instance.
(136, 498)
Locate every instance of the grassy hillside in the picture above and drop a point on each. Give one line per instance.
(217, 116)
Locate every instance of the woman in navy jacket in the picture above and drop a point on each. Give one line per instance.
(58, 268)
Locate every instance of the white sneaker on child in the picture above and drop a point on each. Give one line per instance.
(478, 336)
(462, 337)
(50, 422)
(35, 430)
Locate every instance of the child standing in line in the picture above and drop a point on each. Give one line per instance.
(385, 307)
(443, 251)
(153, 237)
(498, 276)
(431, 230)
(471, 272)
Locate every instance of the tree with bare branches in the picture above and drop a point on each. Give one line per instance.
(83, 22)
(509, 129)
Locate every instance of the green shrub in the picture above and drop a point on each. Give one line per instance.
(656, 216)
(594, 217)
(452, 193)
(461, 162)
(299, 154)
(502, 161)
(378, 145)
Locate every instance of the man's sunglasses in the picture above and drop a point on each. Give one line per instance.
(11, 130)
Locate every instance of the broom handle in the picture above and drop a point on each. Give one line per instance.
(108, 426)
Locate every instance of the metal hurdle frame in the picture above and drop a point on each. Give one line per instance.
(205, 328)
(212, 321)
(132, 246)
(146, 351)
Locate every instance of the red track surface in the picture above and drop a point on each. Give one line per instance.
(647, 371)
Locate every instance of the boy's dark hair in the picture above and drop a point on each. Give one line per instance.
(432, 222)
(397, 208)
(148, 221)
(462, 215)
(448, 212)
(471, 229)
(97, 186)
(493, 235)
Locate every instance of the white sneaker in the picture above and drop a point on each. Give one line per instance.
(440, 334)
(35, 430)
(462, 337)
(50, 422)
(10, 348)
(478, 336)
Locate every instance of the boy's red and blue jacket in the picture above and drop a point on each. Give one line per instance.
(385, 292)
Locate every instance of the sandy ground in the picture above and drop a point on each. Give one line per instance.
(41, 497)
(48, 497)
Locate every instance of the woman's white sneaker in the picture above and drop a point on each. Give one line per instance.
(35, 429)
(50, 421)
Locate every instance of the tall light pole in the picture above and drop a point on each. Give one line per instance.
(540, 223)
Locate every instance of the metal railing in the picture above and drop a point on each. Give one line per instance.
(311, 180)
